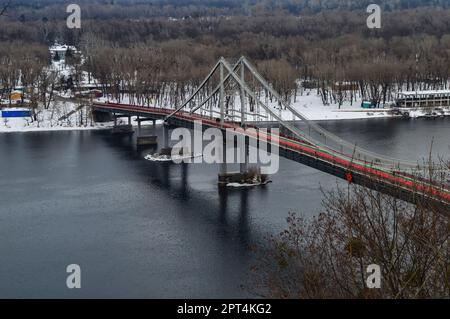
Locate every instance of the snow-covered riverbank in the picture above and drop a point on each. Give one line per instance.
(19, 126)
(51, 120)
(57, 117)
(309, 104)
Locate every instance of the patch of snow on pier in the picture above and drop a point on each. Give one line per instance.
(166, 158)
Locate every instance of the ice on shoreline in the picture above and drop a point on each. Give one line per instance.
(309, 104)
(239, 185)
(166, 158)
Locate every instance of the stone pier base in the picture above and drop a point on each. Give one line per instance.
(180, 151)
(242, 178)
(122, 129)
(147, 140)
(235, 177)
(167, 151)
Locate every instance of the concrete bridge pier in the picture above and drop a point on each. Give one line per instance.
(240, 177)
(244, 165)
(166, 150)
(146, 140)
(122, 128)
(245, 175)
(224, 176)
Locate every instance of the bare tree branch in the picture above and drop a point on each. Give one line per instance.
(5, 7)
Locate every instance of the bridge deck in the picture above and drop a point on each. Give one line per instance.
(362, 173)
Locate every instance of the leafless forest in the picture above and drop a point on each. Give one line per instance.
(327, 256)
(165, 48)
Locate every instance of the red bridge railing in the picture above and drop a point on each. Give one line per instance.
(395, 178)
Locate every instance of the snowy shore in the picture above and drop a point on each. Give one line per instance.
(17, 128)
(50, 120)
(309, 104)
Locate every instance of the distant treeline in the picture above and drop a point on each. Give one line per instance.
(324, 25)
(29, 10)
(162, 53)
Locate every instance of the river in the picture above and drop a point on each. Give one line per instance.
(155, 230)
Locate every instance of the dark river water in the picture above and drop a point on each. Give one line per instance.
(154, 230)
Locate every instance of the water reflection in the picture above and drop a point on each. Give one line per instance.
(148, 229)
(163, 175)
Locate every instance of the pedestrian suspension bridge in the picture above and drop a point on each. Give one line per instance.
(238, 97)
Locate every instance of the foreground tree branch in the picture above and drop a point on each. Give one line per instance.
(327, 256)
(5, 7)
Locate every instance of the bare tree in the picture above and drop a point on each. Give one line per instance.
(327, 256)
(5, 7)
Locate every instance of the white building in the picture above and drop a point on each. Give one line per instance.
(60, 50)
(416, 99)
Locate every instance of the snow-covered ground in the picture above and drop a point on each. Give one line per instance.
(50, 120)
(58, 116)
(22, 125)
(309, 104)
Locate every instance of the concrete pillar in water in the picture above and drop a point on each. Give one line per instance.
(139, 126)
(223, 165)
(244, 166)
(166, 150)
(122, 129)
(165, 135)
(145, 140)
